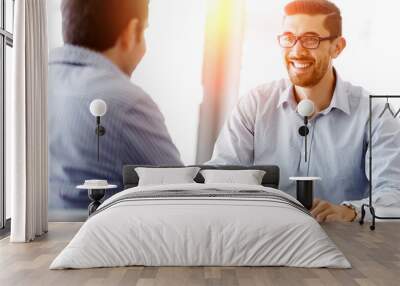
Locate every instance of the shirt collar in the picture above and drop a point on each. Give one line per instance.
(340, 98)
(80, 56)
(287, 97)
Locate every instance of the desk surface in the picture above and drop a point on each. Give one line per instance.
(374, 255)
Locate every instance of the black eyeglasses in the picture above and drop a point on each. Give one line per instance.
(307, 42)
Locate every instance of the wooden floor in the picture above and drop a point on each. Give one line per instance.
(375, 257)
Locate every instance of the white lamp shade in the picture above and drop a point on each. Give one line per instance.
(98, 107)
(306, 108)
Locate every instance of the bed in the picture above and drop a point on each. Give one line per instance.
(201, 224)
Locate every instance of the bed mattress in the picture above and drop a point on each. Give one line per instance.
(201, 225)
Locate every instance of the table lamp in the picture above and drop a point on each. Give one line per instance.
(98, 108)
(305, 185)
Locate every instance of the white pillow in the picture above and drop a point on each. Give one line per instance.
(166, 176)
(248, 177)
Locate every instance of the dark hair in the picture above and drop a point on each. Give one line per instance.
(97, 24)
(315, 7)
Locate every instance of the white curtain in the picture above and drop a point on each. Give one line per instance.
(26, 123)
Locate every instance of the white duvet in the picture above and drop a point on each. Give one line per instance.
(200, 231)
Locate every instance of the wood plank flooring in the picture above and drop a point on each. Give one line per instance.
(375, 257)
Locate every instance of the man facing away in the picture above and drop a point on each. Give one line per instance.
(104, 42)
(263, 128)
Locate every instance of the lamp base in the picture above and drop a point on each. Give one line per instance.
(95, 196)
(305, 190)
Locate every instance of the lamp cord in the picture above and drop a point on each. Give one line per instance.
(312, 140)
(98, 143)
(305, 146)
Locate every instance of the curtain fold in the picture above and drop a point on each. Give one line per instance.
(26, 119)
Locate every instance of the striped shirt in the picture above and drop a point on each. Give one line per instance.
(135, 128)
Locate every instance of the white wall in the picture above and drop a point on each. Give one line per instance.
(371, 58)
(171, 70)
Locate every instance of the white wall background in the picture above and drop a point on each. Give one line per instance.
(171, 70)
(371, 58)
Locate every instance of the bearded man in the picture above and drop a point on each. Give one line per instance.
(264, 126)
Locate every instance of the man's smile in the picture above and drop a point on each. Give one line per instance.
(300, 66)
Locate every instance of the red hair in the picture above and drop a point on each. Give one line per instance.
(333, 20)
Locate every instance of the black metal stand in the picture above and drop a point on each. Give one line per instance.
(95, 196)
(369, 205)
(304, 193)
(100, 131)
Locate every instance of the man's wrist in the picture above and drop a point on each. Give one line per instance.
(354, 210)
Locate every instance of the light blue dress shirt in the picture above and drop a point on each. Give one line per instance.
(135, 128)
(263, 129)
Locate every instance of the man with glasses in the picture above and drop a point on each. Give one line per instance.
(264, 126)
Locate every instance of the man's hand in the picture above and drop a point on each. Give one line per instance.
(324, 211)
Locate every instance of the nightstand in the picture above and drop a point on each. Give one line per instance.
(96, 191)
